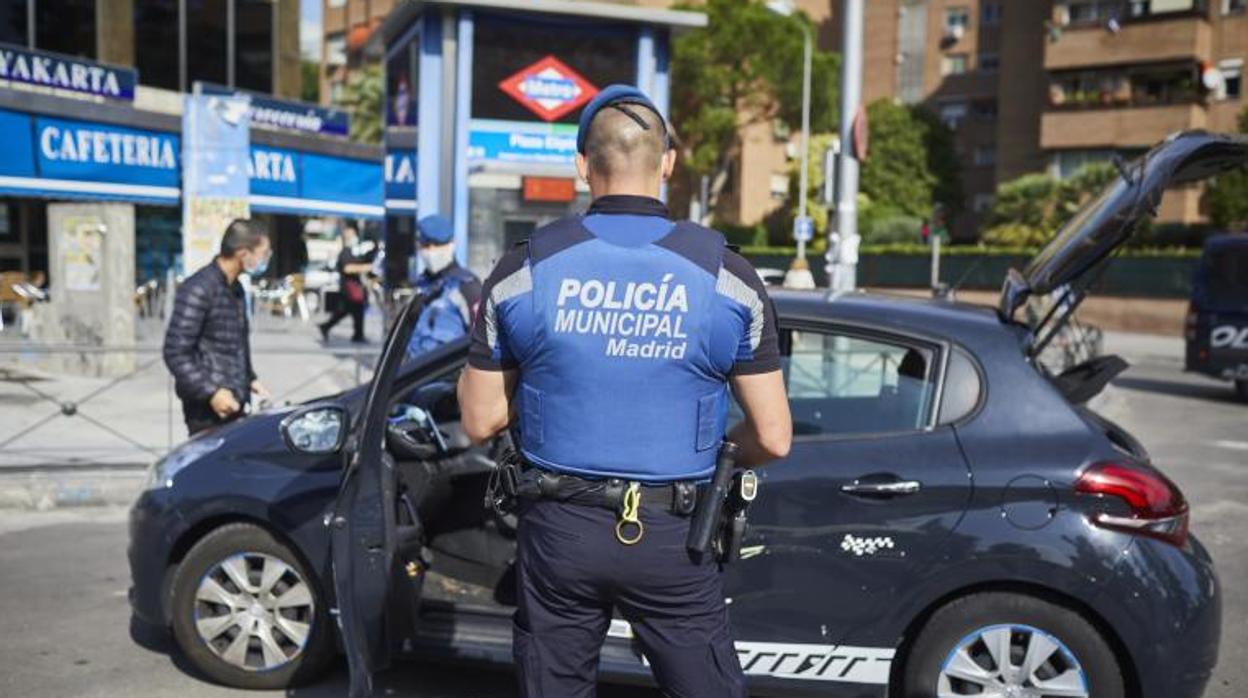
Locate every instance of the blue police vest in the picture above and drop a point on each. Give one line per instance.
(617, 378)
(443, 319)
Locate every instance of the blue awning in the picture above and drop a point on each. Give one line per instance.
(309, 184)
(401, 182)
(69, 159)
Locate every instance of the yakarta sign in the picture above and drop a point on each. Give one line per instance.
(59, 72)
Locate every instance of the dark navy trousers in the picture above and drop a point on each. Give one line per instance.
(571, 573)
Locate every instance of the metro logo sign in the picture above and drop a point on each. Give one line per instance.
(549, 88)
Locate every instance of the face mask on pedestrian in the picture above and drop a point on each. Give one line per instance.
(259, 265)
(437, 258)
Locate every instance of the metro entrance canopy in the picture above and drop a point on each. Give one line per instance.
(482, 96)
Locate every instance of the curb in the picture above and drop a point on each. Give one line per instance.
(45, 490)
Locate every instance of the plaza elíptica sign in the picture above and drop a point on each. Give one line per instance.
(69, 73)
(285, 115)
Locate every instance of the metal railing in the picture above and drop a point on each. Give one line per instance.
(76, 406)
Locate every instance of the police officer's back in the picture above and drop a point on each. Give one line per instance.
(613, 337)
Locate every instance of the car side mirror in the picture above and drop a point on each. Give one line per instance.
(315, 430)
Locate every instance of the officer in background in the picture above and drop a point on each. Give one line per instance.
(613, 338)
(452, 291)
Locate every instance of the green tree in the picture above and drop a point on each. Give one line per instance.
(310, 91)
(362, 96)
(744, 68)
(1227, 196)
(911, 163)
(1028, 211)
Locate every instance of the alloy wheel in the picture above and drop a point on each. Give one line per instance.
(254, 611)
(1012, 661)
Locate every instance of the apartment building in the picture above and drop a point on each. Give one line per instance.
(1052, 85)
(1123, 75)
(347, 26)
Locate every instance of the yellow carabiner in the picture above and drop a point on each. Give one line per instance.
(629, 515)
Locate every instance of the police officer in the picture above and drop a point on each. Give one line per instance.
(453, 291)
(613, 338)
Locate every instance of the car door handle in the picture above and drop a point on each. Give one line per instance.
(883, 489)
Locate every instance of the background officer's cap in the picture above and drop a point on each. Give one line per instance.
(613, 94)
(435, 230)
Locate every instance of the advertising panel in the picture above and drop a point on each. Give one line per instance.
(216, 182)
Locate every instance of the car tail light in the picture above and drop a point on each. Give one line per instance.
(1158, 508)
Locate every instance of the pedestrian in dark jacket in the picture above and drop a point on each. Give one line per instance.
(206, 344)
(352, 267)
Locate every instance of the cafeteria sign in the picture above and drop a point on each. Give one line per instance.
(59, 72)
(549, 88)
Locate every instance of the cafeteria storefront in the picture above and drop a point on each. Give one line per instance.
(59, 146)
(483, 96)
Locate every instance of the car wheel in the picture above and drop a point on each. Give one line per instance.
(247, 613)
(1241, 389)
(1010, 645)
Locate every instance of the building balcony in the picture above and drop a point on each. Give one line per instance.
(1120, 128)
(1155, 38)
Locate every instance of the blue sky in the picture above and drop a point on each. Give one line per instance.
(310, 29)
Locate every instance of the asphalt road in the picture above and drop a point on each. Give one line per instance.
(64, 620)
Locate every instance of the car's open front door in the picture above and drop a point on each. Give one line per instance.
(365, 536)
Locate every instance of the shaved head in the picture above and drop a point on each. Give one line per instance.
(618, 147)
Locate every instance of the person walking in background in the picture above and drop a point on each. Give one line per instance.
(452, 292)
(207, 348)
(352, 265)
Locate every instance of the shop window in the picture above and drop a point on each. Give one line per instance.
(8, 229)
(253, 44)
(953, 64)
(13, 22)
(155, 45)
(66, 26)
(336, 49)
(207, 41)
(989, 62)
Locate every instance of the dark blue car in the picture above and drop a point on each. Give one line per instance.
(952, 520)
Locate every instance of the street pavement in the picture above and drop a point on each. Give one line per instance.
(64, 620)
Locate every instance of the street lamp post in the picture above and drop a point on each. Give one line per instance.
(798, 275)
(843, 238)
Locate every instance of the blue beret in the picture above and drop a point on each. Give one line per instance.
(435, 229)
(611, 94)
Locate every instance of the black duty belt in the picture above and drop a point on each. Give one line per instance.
(679, 498)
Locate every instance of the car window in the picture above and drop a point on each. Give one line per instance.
(840, 384)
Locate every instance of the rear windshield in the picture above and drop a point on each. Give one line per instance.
(1225, 282)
